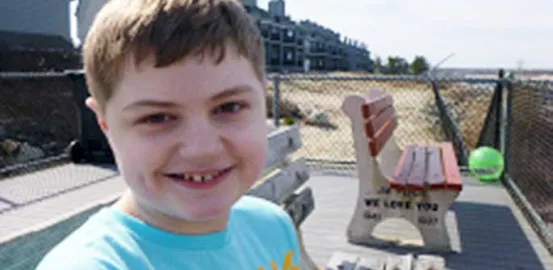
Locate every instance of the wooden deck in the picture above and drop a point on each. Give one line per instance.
(487, 230)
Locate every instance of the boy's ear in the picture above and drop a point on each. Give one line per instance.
(92, 104)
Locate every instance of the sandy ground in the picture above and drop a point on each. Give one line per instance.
(415, 104)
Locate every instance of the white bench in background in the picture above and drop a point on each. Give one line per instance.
(418, 184)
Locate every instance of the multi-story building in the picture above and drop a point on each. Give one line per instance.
(290, 46)
(305, 45)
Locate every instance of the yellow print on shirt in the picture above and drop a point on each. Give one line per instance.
(287, 264)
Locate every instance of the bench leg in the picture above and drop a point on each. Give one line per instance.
(360, 229)
(365, 218)
(432, 224)
(435, 236)
(373, 191)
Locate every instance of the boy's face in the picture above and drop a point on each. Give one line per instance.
(189, 139)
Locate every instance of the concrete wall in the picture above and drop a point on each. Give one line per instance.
(31, 16)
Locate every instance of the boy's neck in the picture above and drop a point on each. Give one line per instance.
(129, 205)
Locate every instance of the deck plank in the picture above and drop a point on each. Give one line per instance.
(487, 230)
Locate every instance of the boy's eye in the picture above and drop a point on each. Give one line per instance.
(156, 118)
(231, 107)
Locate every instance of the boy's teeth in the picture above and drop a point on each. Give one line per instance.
(196, 177)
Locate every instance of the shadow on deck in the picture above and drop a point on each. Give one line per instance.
(487, 230)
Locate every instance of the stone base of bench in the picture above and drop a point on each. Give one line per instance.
(345, 261)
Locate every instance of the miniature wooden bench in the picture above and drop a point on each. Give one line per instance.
(418, 184)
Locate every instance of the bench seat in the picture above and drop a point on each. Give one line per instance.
(427, 167)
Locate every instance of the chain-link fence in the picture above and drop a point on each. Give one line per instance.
(529, 144)
(37, 120)
(429, 111)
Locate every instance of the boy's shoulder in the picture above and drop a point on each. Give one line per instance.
(106, 242)
(87, 245)
(259, 210)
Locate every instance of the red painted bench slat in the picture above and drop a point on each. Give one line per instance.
(382, 136)
(418, 170)
(376, 122)
(451, 169)
(403, 168)
(374, 106)
(420, 167)
(434, 173)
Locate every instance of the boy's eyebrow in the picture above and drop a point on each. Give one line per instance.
(149, 103)
(235, 90)
(239, 89)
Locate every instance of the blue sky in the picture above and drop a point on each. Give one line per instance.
(480, 33)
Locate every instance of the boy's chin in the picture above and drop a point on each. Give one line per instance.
(207, 222)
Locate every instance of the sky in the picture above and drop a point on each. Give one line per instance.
(479, 33)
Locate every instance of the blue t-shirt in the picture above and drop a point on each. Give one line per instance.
(259, 236)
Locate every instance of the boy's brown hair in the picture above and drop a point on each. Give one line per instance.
(168, 30)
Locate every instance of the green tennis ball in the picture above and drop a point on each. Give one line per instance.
(486, 164)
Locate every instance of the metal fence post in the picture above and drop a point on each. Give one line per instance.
(276, 100)
(506, 124)
(499, 111)
(91, 146)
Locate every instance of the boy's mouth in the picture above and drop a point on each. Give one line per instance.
(197, 177)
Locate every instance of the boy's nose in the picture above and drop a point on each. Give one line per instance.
(201, 140)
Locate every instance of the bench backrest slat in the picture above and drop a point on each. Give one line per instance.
(376, 122)
(282, 183)
(380, 119)
(376, 104)
(282, 142)
(382, 136)
(451, 169)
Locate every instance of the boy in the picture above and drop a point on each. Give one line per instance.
(178, 89)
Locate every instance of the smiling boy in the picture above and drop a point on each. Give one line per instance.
(178, 88)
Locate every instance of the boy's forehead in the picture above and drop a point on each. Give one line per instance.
(188, 79)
